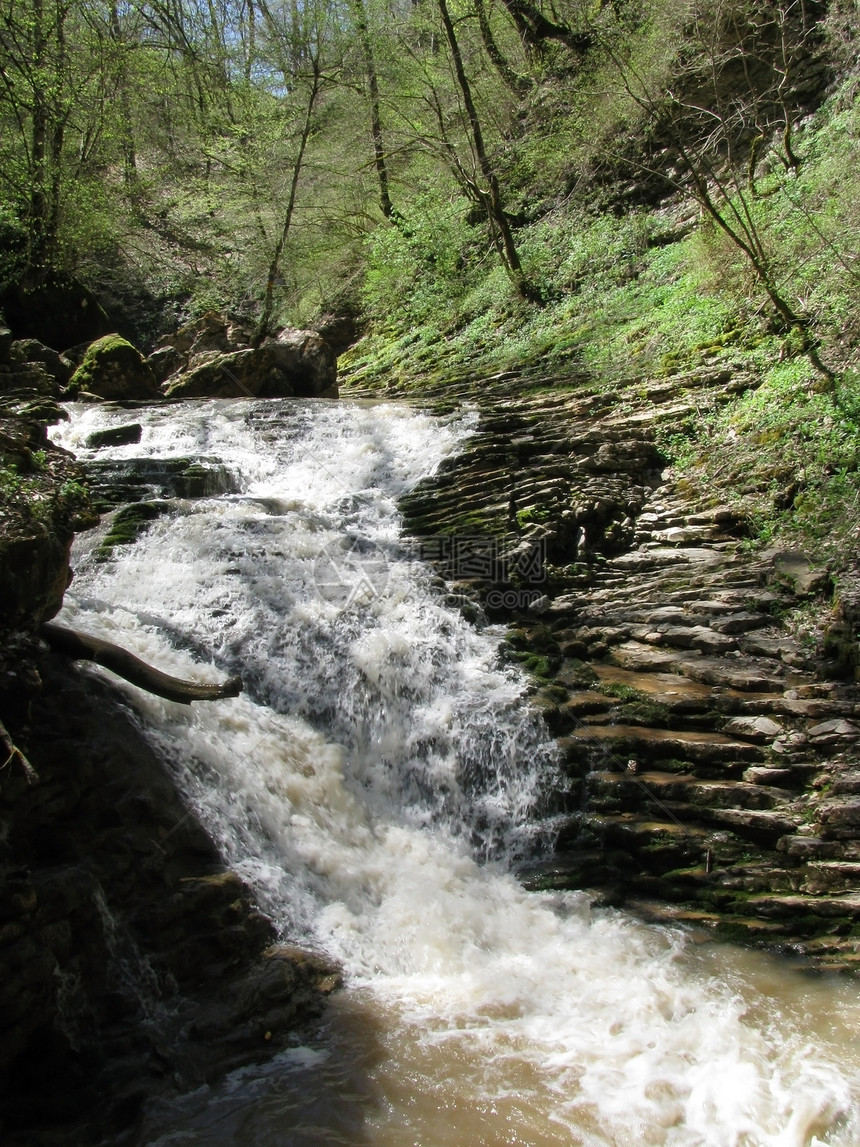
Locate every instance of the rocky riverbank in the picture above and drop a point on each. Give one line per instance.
(702, 688)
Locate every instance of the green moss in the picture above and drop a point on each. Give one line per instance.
(621, 691)
(128, 524)
(643, 712)
(110, 346)
(532, 515)
(536, 663)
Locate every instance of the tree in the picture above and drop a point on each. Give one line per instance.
(379, 159)
(726, 101)
(489, 195)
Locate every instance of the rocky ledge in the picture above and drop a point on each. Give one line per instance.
(709, 737)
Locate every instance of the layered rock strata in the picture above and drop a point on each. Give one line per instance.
(711, 755)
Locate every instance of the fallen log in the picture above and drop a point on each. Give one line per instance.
(85, 647)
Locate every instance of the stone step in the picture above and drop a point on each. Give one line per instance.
(632, 742)
(829, 876)
(630, 830)
(657, 912)
(793, 905)
(634, 790)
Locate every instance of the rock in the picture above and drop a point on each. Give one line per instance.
(115, 481)
(165, 361)
(794, 570)
(840, 813)
(115, 436)
(654, 752)
(760, 775)
(828, 876)
(6, 338)
(836, 728)
(339, 331)
(741, 675)
(669, 615)
(695, 637)
(31, 350)
(29, 392)
(741, 622)
(298, 364)
(681, 535)
(132, 961)
(635, 656)
(210, 332)
(42, 500)
(114, 369)
(759, 729)
(760, 825)
(34, 575)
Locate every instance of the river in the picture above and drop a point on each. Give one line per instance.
(376, 784)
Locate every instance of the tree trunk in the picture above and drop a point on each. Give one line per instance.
(129, 156)
(275, 263)
(516, 83)
(375, 116)
(500, 227)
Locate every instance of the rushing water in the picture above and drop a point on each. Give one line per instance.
(374, 784)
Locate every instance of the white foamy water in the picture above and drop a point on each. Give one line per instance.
(374, 783)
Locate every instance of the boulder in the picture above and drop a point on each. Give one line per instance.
(43, 501)
(115, 436)
(31, 350)
(165, 361)
(210, 332)
(34, 575)
(758, 729)
(794, 570)
(29, 392)
(339, 331)
(297, 364)
(114, 369)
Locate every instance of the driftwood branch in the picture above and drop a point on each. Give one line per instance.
(82, 646)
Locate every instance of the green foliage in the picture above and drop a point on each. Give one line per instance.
(419, 262)
(34, 495)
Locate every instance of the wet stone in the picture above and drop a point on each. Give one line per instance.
(758, 729)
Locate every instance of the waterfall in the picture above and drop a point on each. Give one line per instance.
(375, 784)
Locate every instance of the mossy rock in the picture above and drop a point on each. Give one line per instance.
(128, 524)
(114, 369)
(643, 712)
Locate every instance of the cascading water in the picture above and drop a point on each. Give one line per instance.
(373, 785)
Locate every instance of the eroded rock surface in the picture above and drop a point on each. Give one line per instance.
(711, 756)
(213, 358)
